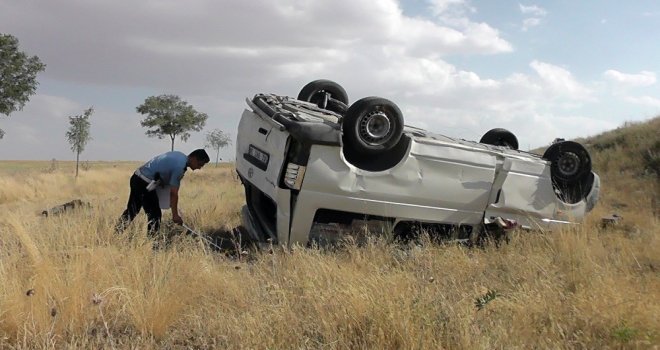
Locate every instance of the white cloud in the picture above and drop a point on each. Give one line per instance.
(439, 7)
(530, 22)
(55, 106)
(547, 126)
(561, 81)
(39, 127)
(643, 78)
(200, 46)
(644, 101)
(533, 10)
(113, 54)
(536, 14)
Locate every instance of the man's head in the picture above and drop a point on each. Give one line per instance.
(197, 159)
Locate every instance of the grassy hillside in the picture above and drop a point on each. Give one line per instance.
(70, 282)
(628, 161)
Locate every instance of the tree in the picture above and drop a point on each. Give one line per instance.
(78, 134)
(18, 74)
(168, 115)
(216, 140)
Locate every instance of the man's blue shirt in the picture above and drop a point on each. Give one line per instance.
(171, 166)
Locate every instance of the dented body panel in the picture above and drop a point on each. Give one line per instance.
(438, 180)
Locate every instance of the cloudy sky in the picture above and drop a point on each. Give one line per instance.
(543, 70)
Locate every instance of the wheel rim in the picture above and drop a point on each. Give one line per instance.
(375, 128)
(568, 164)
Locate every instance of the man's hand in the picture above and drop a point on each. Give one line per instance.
(174, 204)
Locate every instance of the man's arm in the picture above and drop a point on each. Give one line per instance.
(174, 204)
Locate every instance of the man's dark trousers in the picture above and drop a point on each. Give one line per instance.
(138, 199)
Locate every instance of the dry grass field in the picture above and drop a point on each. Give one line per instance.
(69, 281)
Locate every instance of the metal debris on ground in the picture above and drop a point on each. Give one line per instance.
(68, 206)
(611, 220)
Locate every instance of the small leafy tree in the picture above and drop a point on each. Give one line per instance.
(216, 140)
(18, 74)
(169, 115)
(78, 134)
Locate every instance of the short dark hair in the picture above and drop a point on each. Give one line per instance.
(200, 154)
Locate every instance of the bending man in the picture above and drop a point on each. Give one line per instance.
(165, 170)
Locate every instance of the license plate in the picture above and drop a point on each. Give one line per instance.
(257, 157)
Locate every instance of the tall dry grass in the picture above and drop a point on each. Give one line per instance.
(70, 282)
